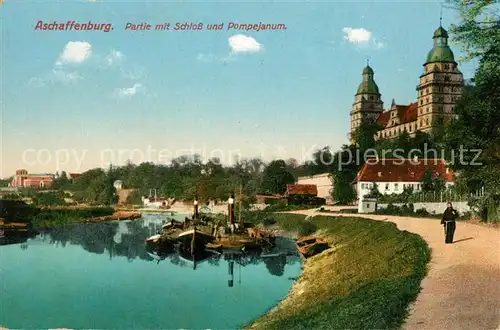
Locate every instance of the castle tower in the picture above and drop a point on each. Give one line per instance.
(440, 86)
(367, 102)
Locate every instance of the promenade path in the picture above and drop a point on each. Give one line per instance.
(462, 287)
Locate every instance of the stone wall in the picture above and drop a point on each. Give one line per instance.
(437, 208)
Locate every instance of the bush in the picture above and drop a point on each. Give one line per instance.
(422, 212)
(49, 198)
(272, 201)
(268, 222)
(307, 228)
(55, 217)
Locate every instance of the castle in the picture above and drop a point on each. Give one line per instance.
(441, 85)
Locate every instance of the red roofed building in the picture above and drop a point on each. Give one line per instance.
(440, 86)
(23, 179)
(393, 175)
(301, 189)
(323, 183)
(73, 176)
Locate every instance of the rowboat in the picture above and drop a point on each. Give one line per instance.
(309, 246)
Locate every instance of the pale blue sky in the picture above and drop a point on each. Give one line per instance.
(292, 93)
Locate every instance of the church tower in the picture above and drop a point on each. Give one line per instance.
(367, 102)
(440, 87)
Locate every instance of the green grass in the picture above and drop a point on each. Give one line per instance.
(366, 281)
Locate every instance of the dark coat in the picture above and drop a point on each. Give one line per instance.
(449, 215)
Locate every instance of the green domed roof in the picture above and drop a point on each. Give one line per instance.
(368, 87)
(440, 32)
(367, 70)
(440, 54)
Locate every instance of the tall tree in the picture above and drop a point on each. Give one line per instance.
(276, 177)
(474, 136)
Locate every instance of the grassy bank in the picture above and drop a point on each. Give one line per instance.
(366, 281)
(47, 218)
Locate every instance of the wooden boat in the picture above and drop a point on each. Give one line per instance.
(194, 240)
(195, 260)
(172, 224)
(197, 234)
(14, 226)
(153, 239)
(309, 246)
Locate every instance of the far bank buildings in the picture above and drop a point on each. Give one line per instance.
(441, 84)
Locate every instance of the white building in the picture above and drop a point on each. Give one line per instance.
(154, 202)
(322, 181)
(367, 205)
(393, 175)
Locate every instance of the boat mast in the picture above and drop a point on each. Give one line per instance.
(239, 212)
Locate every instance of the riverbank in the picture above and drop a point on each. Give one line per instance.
(367, 280)
(461, 288)
(47, 218)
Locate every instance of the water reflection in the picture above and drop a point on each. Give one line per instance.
(126, 239)
(79, 274)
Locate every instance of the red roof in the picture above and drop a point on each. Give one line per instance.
(410, 113)
(402, 170)
(383, 118)
(405, 113)
(74, 175)
(302, 189)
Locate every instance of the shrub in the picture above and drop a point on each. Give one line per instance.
(307, 228)
(268, 222)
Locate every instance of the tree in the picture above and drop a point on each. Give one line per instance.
(61, 181)
(374, 192)
(5, 182)
(343, 190)
(431, 182)
(364, 136)
(276, 177)
(479, 28)
(476, 129)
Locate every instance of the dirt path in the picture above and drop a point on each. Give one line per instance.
(462, 288)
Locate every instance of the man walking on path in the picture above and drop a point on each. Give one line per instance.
(448, 220)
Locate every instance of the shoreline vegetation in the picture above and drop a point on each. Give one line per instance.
(53, 217)
(46, 217)
(367, 280)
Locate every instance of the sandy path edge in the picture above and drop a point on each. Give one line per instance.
(462, 287)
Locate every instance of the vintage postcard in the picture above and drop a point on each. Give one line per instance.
(249, 164)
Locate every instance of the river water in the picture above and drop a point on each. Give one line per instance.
(100, 276)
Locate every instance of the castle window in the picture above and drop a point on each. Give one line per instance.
(427, 91)
(447, 78)
(371, 97)
(446, 66)
(427, 100)
(421, 102)
(427, 121)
